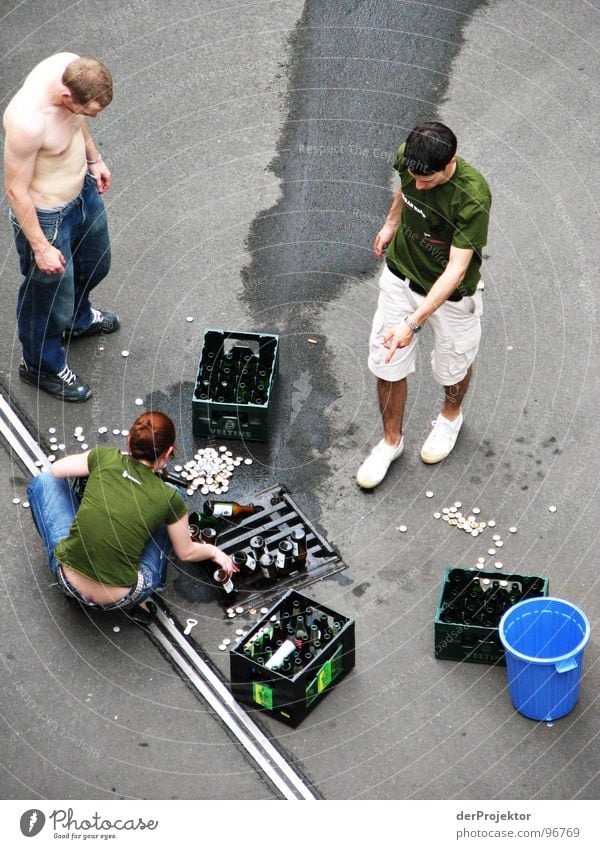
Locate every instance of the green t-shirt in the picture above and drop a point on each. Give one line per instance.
(455, 213)
(116, 517)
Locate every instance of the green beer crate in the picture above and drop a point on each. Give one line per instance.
(472, 634)
(235, 383)
(290, 698)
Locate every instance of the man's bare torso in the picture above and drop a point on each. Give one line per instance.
(60, 163)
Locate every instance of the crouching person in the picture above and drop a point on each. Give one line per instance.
(110, 551)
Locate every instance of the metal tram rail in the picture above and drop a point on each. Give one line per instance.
(167, 633)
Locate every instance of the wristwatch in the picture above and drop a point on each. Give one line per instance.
(414, 327)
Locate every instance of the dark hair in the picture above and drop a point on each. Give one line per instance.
(150, 435)
(429, 148)
(87, 80)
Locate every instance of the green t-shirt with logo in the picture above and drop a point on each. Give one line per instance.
(455, 213)
(124, 502)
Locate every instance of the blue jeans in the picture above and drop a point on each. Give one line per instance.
(54, 505)
(50, 304)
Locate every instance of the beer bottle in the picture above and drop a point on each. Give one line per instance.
(246, 565)
(278, 631)
(229, 508)
(301, 638)
(199, 520)
(324, 625)
(515, 594)
(299, 550)
(243, 394)
(287, 648)
(502, 596)
(171, 477)
(223, 580)
(458, 578)
(268, 567)
(476, 588)
(284, 557)
(248, 370)
(208, 535)
(257, 547)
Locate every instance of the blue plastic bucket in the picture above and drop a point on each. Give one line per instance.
(544, 639)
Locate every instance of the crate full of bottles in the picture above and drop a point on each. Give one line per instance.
(292, 658)
(470, 607)
(233, 394)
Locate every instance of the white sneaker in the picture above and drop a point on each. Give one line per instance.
(441, 440)
(374, 468)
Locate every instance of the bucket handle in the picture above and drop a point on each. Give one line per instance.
(566, 665)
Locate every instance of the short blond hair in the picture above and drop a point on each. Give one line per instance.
(88, 80)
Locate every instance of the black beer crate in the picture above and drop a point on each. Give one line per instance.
(457, 639)
(290, 698)
(233, 404)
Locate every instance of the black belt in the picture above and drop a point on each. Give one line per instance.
(416, 287)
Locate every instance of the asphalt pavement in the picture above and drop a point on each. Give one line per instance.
(251, 147)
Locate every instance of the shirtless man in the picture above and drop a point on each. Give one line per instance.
(54, 176)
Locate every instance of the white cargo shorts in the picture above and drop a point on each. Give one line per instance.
(455, 325)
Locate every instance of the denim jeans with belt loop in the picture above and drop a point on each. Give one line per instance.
(50, 304)
(53, 507)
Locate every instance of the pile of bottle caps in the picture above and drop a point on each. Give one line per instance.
(470, 524)
(211, 470)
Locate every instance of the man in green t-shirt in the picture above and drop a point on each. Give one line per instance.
(433, 238)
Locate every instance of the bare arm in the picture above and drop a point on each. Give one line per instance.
(452, 276)
(386, 234)
(189, 551)
(23, 142)
(73, 466)
(99, 170)
(446, 284)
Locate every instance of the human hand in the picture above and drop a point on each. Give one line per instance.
(383, 238)
(225, 562)
(49, 259)
(397, 337)
(102, 175)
